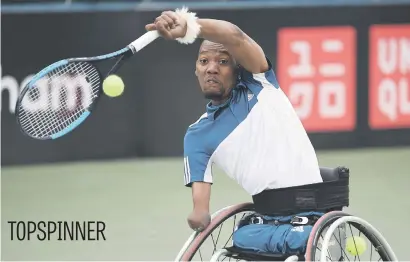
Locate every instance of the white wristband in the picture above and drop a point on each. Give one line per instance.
(193, 28)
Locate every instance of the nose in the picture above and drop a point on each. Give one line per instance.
(213, 68)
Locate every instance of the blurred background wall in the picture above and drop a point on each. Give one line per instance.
(355, 104)
(356, 94)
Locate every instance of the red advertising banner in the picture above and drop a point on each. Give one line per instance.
(389, 76)
(317, 71)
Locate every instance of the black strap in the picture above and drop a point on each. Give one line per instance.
(295, 220)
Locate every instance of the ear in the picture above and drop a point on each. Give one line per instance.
(196, 72)
(238, 71)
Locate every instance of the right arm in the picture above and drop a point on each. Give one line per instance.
(242, 47)
(200, 218)
(198, 176)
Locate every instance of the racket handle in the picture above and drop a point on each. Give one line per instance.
(143, 41)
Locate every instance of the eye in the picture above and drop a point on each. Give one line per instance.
(203, 60)
(224, 61)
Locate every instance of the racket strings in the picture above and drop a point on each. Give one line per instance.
(70, 119)
(45, 124)
(40, 125)
(53, 103)
(50, 122)
(71, 116)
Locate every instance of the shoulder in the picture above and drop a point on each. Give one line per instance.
(195, 131)
(196, 124)
(262, 80)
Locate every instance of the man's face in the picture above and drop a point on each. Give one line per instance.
(215, 69)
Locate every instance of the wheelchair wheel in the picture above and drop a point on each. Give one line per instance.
(195, 246)
(327, 241)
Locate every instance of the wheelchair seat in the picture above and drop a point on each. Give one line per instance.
(328, 175)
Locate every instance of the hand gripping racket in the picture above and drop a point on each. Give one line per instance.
(62, 95)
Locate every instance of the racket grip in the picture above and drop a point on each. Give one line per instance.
(143, 41)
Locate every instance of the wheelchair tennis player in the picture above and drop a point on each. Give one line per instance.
(251, 131)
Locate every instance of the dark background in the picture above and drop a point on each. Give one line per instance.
(162, 96)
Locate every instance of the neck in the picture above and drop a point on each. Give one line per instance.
(219, 101)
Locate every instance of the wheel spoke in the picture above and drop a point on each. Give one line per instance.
(340, 244)
(354, 242)
(200, 255)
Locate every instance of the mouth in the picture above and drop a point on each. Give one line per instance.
(211, 81)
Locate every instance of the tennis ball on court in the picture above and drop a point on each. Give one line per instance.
(356, 245)
(113, 86)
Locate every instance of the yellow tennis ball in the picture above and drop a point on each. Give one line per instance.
(356, 245)
(113, 86)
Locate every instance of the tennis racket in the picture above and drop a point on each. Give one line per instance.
(62, 96)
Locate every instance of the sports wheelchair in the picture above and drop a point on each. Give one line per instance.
(326, 242)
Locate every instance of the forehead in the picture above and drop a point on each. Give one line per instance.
(211, 47)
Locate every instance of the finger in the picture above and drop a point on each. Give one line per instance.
(150, 27)
(161, 20)
(169, 21)
(171, 15)
(163, 31)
